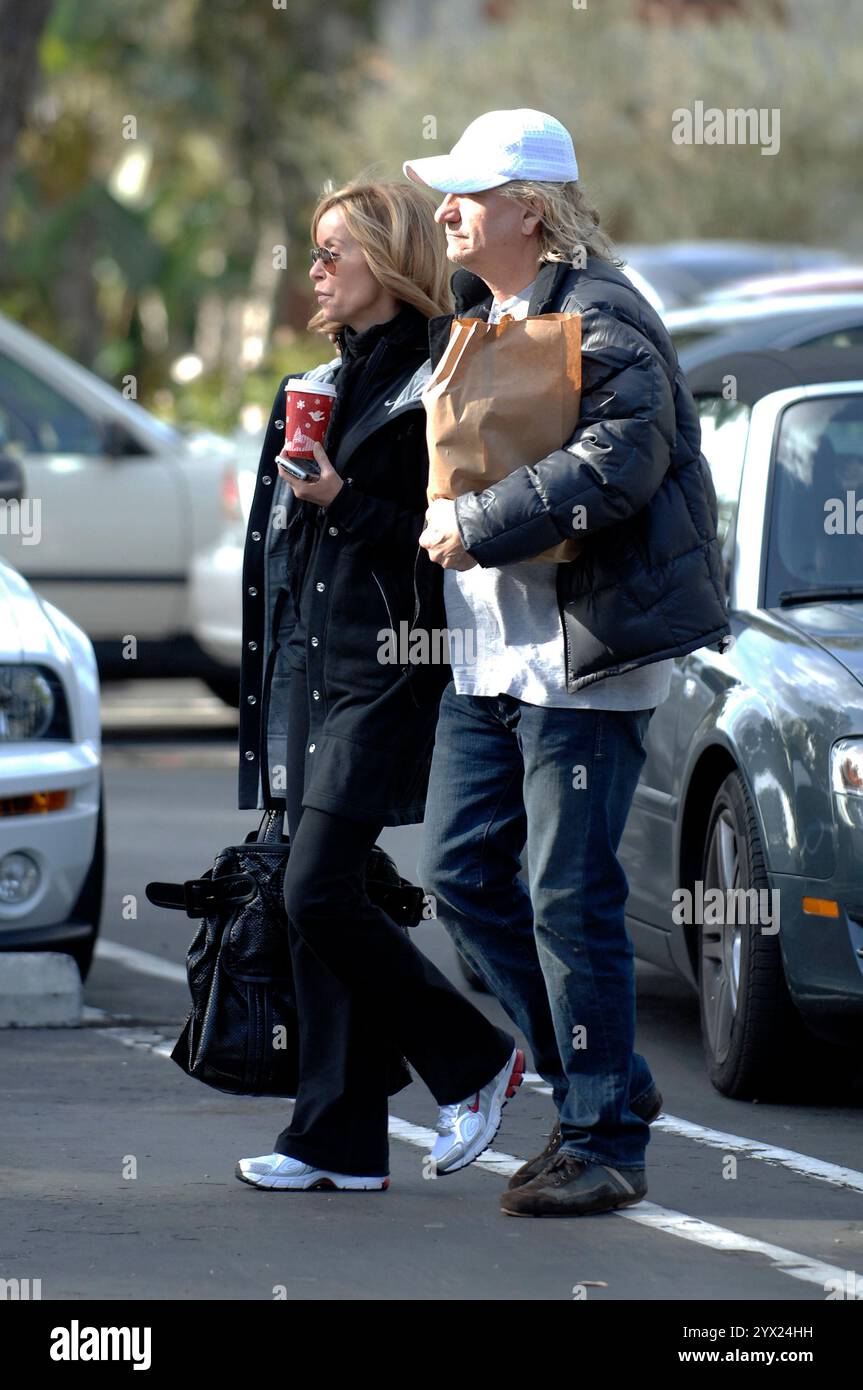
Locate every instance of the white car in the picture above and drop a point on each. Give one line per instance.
(216, 591)
(51, 817)
(116, 503)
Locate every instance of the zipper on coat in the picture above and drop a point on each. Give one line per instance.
(416, 591)
(264, 733)
(566, 652)
(389, 614)
(386, 604)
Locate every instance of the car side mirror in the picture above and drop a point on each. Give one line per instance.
(11, 479)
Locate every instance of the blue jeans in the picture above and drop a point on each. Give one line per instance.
(558, 957)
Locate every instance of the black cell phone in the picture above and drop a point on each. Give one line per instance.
(304, 469)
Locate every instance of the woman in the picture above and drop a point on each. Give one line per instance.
(340, 734)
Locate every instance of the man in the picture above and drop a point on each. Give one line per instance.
(540, 740)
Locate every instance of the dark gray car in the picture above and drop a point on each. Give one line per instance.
(827, 323)
(744, 848)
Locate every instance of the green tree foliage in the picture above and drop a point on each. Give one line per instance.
(615, 83)
(166, 141)
(173, 145)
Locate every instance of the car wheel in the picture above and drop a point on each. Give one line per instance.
(88, 907)
(469, 975)
(749, 1025)
(226, 687)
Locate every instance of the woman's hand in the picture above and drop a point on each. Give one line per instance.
(321, 490)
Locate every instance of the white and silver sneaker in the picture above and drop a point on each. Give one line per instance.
(467, 1128)
(280, 1173)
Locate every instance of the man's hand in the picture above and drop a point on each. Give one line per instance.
(321, 490)
(441, 538)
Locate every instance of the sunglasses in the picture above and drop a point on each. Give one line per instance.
(327, 257)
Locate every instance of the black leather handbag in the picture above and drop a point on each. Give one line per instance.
(241, 1033)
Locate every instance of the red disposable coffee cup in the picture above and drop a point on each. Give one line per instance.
(308, 406)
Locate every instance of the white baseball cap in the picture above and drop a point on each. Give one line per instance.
(498, 147)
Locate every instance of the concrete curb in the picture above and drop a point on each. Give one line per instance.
(40, 989)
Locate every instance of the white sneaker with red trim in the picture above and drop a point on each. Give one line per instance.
(467, 1127)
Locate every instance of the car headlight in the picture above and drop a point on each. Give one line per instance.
(32, 704)
(846, 778)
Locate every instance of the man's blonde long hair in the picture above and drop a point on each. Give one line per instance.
(570, 227)
(393, 224)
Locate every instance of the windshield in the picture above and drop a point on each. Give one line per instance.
(815, 541)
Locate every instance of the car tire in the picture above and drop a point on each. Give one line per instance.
(751, 1031)
(88, 907)
(227, 688)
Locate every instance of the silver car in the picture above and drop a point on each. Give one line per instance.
(744, 846)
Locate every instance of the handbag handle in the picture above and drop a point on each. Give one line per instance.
(271, 827)
(199, 896)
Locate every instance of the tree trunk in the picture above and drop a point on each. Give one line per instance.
(21, 28)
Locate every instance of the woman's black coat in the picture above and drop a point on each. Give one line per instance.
(372, 721)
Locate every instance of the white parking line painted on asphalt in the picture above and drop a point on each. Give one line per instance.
(834, 1173)
(144, 1039)
(144, 962)
(673, 1223)
(676, 1223)
(808, 1167)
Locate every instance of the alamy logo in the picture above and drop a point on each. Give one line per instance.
(424, 647)
(735, 126)
(729, 906)
(843, 516)
(16, 1290)
(22, 518)
(77, 1343)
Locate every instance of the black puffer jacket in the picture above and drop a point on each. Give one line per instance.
(648, 583)
(371, 722)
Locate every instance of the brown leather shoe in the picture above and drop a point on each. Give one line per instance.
(534, 1166)
(570, 1187)
(648, 1110)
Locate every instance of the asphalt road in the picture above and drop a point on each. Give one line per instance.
(118, 1170)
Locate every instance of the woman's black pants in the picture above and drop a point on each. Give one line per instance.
(363, 989)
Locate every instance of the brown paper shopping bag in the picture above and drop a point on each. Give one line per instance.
(502, 395)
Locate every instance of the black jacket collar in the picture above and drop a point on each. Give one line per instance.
(407, 329)
(473, 299)
(470, 292)
(389, 355)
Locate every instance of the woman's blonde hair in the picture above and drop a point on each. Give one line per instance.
(393, 224)
(570, 227)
